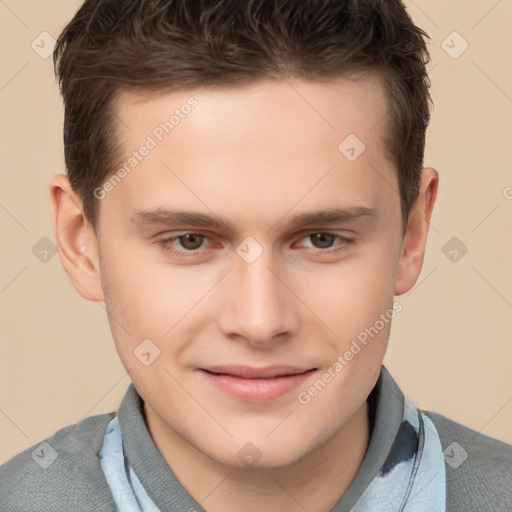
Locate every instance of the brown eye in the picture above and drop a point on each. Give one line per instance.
(191, 241)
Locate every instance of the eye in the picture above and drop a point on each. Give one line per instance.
(191, 241)
(324, 240)
(184, 244)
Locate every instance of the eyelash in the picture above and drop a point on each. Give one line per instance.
(165, 244)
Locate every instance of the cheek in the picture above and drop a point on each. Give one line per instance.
(352, 293)
(149, 294)
(154, 301)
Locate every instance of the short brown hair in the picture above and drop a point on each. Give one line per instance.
(112, 45)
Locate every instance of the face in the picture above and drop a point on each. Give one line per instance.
(252, 243)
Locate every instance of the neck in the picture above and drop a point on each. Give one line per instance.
(314, 483)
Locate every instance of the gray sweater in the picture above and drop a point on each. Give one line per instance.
(63, 474)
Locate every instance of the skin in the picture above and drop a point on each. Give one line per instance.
(257, 157)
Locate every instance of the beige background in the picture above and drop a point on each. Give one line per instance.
(450, 348)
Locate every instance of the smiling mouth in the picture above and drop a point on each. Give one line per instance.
(249, 372)
(256, 384)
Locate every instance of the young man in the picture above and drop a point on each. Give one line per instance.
(246, 194)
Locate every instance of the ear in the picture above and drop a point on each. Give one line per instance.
(76, 240)
(415, 239)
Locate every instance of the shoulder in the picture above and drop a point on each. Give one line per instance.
(478, 467)
(60, 473)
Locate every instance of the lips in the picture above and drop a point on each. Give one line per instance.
(249, 372)
(253, 384)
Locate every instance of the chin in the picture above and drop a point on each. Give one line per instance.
(261, 452)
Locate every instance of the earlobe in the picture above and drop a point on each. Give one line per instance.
(413, 248)
(76, 241)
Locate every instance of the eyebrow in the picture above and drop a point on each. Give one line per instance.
(169, 216)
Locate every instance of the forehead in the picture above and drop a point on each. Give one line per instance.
(246, 147)
(354, 104)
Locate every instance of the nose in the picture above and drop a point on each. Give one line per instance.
(257, 307)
